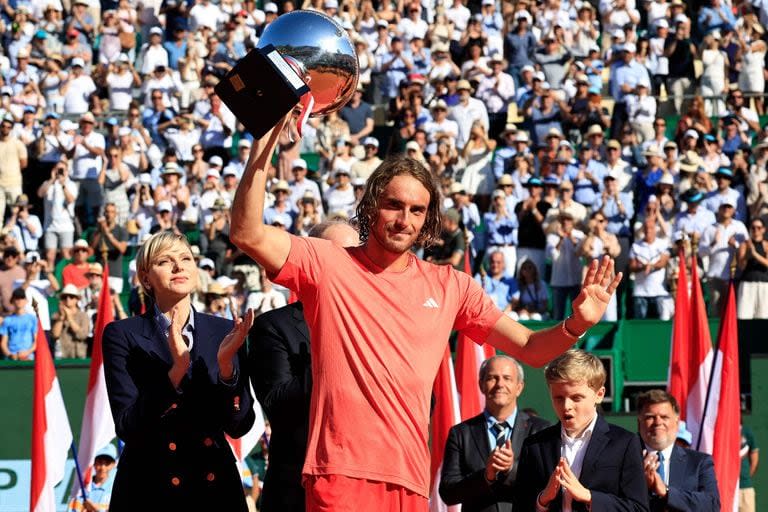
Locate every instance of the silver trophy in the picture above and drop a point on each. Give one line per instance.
(302, 57)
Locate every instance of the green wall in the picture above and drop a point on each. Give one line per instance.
(16, 397)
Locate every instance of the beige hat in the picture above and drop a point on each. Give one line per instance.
(95, 269)
(505, 179)
(457, 188)
(412, 145)
(595, 129)
(613, 143)
(215, 289)
(464, 84)
(88, 118)
(281, 185)
(70, 290)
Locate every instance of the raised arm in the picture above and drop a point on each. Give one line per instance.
(267, 245)
(540, 347)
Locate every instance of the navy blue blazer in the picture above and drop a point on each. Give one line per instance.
(466, 453)
(278, 353)
(176, 456)
(612, 470)
(692, 483)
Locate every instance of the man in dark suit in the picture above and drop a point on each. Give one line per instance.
(678, 479)
(479, 467)
(582, 463)
(282, 380)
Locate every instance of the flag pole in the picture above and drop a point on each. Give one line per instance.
(716, 355)
(72, 445)
(79, 471)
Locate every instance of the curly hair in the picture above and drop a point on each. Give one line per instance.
(368, 209)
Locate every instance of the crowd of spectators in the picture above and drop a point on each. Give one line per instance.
(546, 123)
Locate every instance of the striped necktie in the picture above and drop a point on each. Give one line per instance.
(500, 430)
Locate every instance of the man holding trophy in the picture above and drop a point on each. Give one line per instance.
(379, 318)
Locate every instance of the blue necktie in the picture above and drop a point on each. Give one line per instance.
(660, 469)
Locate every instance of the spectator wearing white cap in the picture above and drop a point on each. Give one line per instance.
(121, 78)
(77, 88)
(725, 193)
(87, 154)
(440, 125)
(341, 196)
(720, 242)
(362, 169)
(237, 164)
(626, 74)
(152, 53)
(459, 15)
(300, 184)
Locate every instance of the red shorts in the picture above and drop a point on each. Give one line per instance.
(338, 493)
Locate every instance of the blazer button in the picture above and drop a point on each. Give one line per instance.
(175, 481)
(210, 477)
(172, 447)
(208, 442)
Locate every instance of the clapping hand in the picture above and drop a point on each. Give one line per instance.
(500, 461)
(232, 343)
(571, 484)
(178, 348)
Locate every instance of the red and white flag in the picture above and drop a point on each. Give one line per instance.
(242, 446)
(678, 359)
(51, 433)
(700, 356)
(469, 357)
(444, 416)
(724, 408)
(98, 427)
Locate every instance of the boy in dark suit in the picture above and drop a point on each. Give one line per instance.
(583, 462)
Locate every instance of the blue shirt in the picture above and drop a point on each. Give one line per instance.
(21, 330)
(629, 74)
(645, 185)
(500, 160)
(100, 495)
(716, 19)
(501, 231)
(490, 421)
(175, 53)
(618, 223)
(500, 290)
(165, 325)
(584, 190)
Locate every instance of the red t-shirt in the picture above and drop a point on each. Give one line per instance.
(377, 341)
(75, 274)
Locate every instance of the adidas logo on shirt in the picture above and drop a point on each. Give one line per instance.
(431, 303)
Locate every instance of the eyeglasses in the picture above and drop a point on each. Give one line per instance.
(81, 249)
(757, 227)
(566, 190)
(197, 150)
(157, 97)
(660, 124)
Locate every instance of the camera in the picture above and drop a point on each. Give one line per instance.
(59, 172)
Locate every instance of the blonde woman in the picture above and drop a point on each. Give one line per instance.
(177, 383)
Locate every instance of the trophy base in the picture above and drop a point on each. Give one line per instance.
(261, 89)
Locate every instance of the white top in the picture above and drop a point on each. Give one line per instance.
(87, 164)
(120, 87)
(58, 215)
(714, 242)
(651, 284)
(76, 97)
(566, 264)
